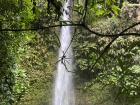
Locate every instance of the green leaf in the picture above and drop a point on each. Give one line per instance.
(115, 9)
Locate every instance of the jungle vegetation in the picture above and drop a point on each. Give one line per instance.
(106, 45)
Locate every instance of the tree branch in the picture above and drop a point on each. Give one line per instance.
(116, 37)
(39, 28)
(79, 25)
(122, 33)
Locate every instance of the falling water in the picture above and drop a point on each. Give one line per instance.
(63, 90)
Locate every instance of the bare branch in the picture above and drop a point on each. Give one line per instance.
(39, 28)
(79, 25)
(122, 33)
(116, 37)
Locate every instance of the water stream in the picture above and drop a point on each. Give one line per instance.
(64, 89)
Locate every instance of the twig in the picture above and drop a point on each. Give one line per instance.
(70, 43)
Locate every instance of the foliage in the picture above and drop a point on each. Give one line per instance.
(38, 63)
(23, 53)
(13, 80)
(98, 8)
(118, 68)
(27, 58)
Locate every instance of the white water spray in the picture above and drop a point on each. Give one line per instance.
(64, 90)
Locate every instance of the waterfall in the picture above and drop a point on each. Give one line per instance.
(64, 90)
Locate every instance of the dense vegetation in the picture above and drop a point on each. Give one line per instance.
(106, 46)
